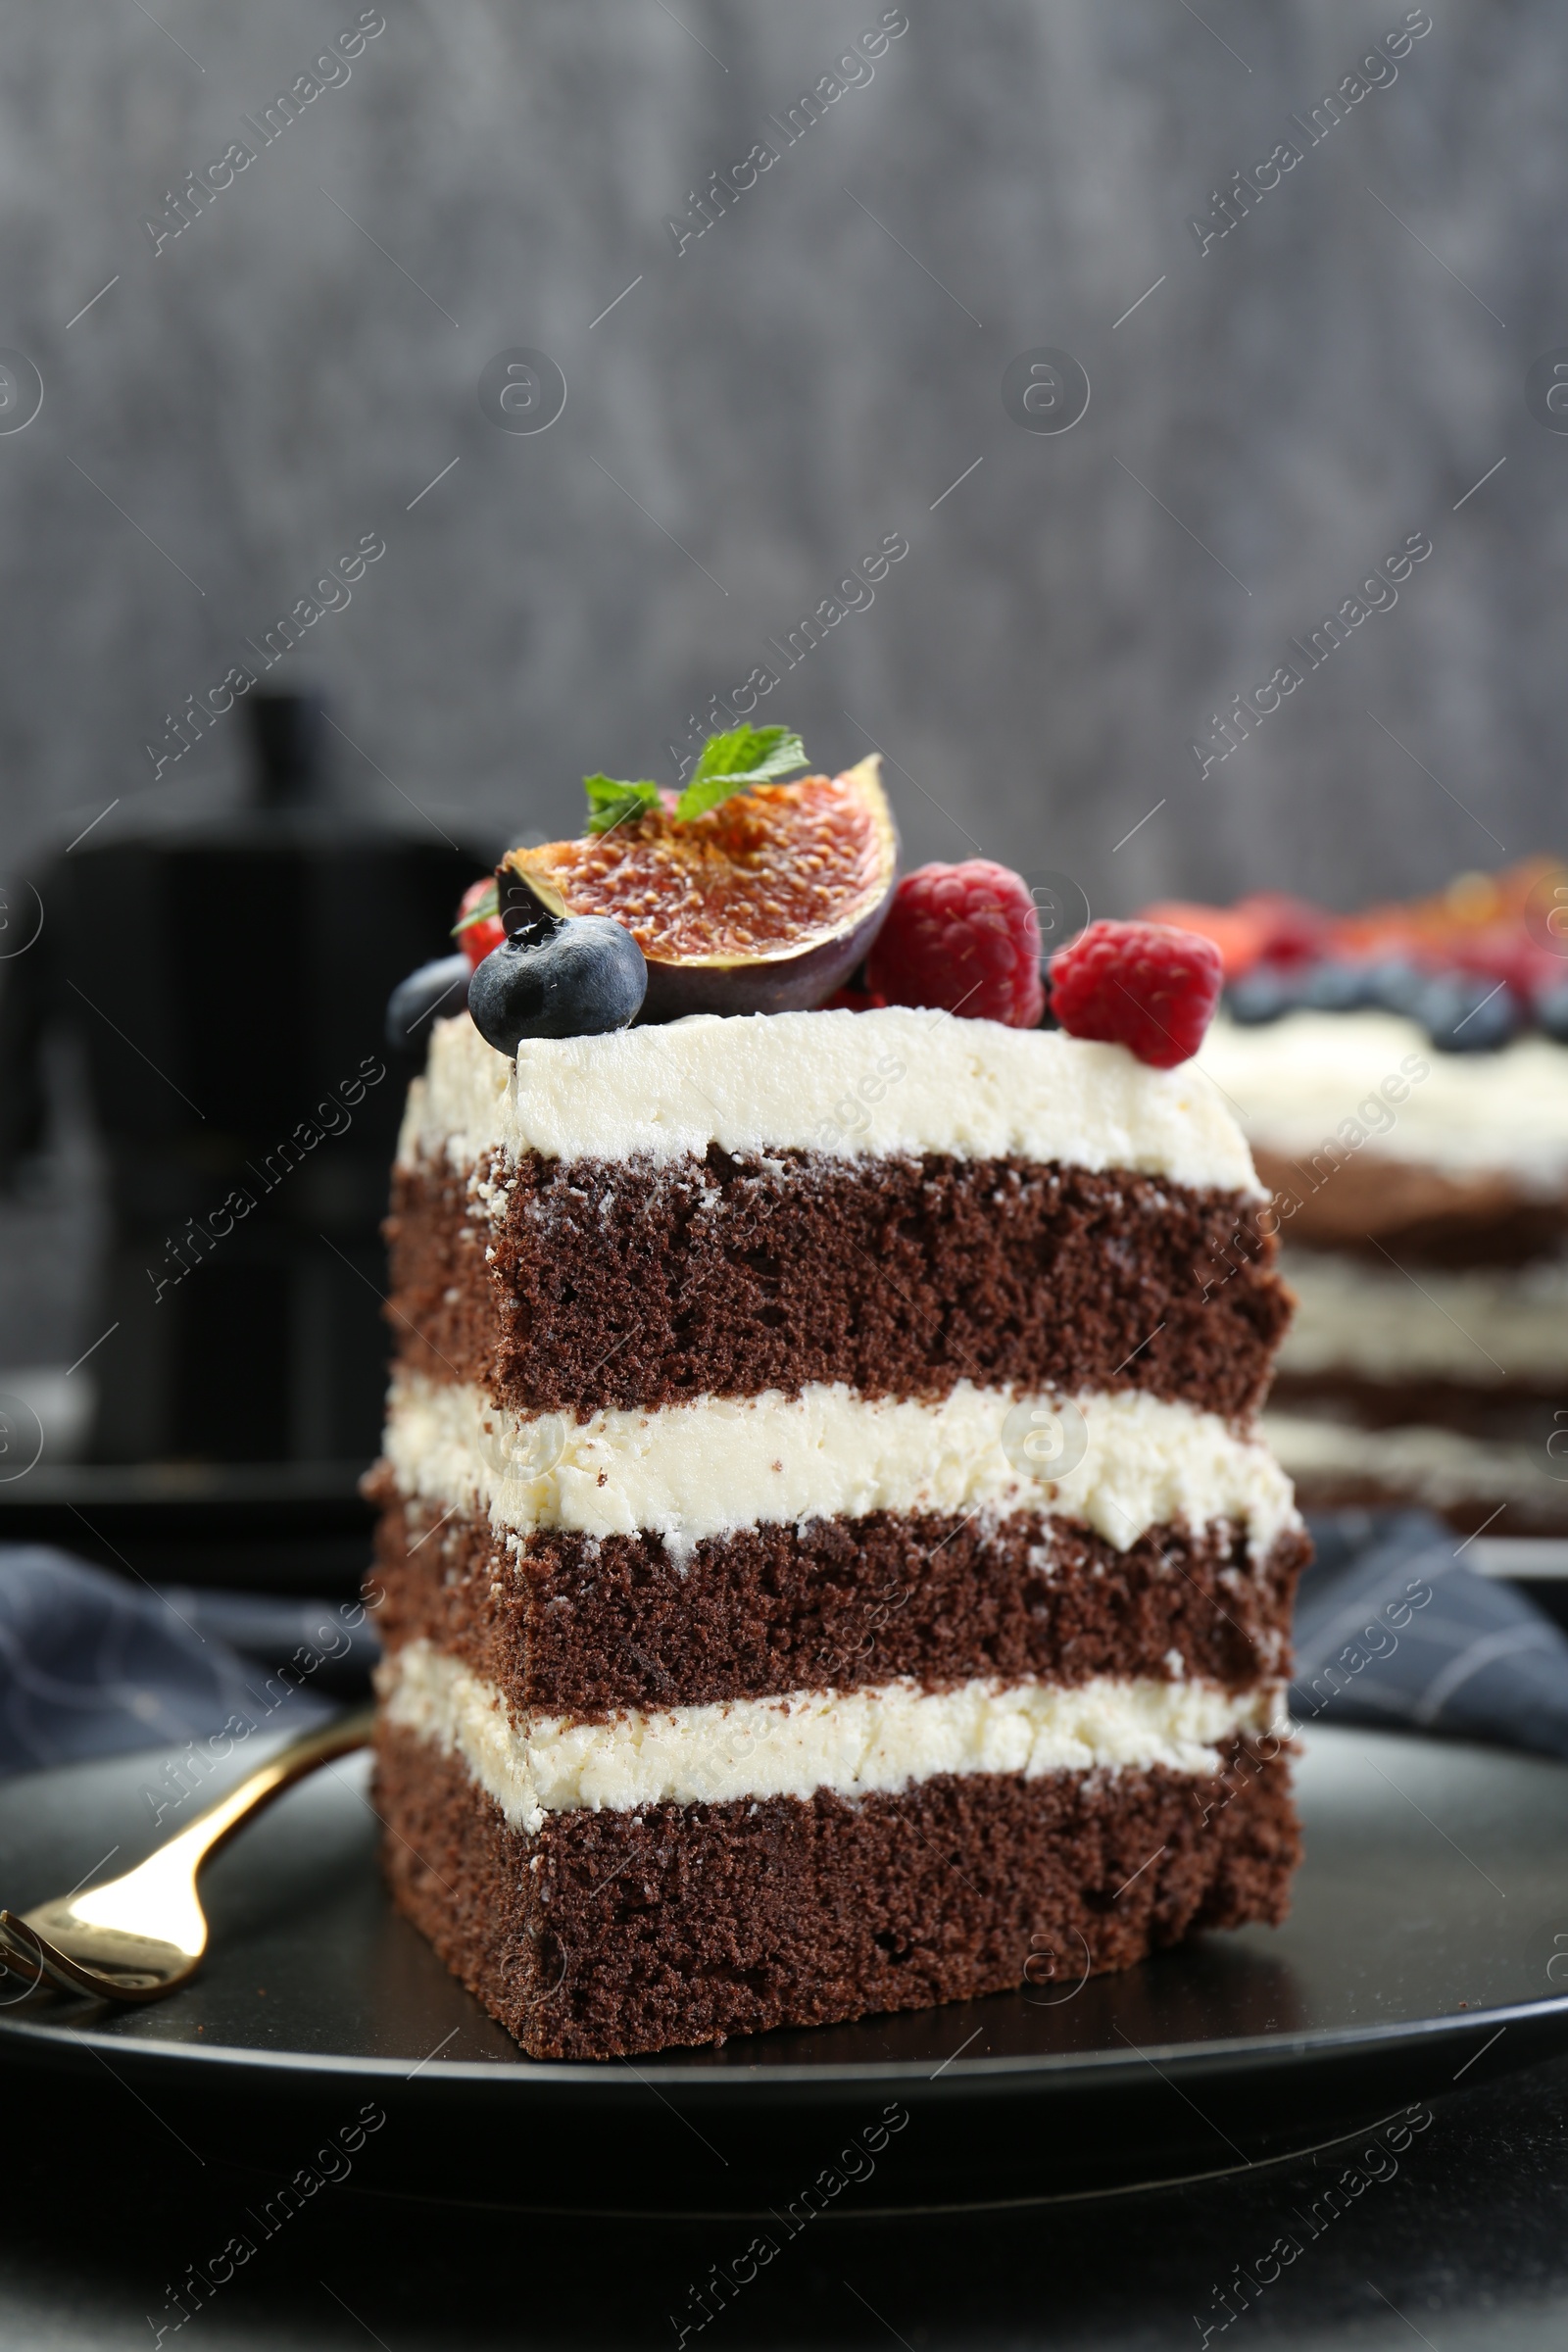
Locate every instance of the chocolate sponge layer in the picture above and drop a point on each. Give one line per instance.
(609, 1934)
(613, 1283)
(569, 1626)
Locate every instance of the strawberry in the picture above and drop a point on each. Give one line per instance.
(477, 929)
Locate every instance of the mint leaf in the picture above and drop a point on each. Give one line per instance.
(734, 763)
(610, 802)
(481, 911)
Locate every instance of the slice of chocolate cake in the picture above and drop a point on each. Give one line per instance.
(831, 1562)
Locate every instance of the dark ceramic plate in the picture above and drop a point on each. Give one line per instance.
(1428, 1946)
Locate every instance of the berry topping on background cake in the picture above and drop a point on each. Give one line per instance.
(1464, 1012)
(1474, 964)
(965, 938)
(1144, 986)
(744, 894)
(1268, 927)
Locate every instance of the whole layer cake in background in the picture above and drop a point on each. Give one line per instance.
(830, 1561)
(1402, 1078)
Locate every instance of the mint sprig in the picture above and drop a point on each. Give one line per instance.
(482, 910)
(734, 763)
(725, 765)
(611, 802)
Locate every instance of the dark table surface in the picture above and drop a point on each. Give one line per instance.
(104, 2210)
(1464, 2244)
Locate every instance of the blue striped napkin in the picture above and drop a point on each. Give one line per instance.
(1393, 1627)
(91, 1665)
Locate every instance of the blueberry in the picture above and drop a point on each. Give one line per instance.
(1263, 994)
(574, 975)
(1465, 1012)
(438, 988)
(1396, 985)
(1333, 987)
(1551, 1012)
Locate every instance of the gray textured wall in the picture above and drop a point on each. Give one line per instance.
(791, 388)
(803, 380)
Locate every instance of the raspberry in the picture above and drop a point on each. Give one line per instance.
(964, 938)
(1139, 985)
(477, 929)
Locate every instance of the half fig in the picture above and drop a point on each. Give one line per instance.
(766, 904)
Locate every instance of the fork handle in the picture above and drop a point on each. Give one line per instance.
(118, 1959)
(202, 1837)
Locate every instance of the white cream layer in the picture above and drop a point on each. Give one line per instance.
(688, 1471)
(1434, 1466)
(854, 1742)
(1481, 1326)
(1300, 1081)
(846, 1084)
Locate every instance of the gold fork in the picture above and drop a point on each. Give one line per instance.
(135, 1937)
